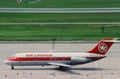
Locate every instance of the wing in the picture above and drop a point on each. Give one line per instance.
(60, 64)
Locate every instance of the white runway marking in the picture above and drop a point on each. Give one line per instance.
(32, 2)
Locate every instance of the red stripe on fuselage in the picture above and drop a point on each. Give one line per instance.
(41, 59)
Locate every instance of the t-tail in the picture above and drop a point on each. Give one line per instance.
(103, 46)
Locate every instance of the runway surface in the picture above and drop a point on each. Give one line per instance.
(108, 68)
(59, 10)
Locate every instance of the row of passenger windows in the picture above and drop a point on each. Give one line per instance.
(43, 59)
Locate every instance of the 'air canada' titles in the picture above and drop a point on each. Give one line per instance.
(38, 55)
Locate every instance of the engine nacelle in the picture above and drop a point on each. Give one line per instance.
(75, 61)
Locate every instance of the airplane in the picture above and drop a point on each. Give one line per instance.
(61, 59)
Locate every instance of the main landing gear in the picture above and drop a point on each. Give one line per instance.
(61, 67)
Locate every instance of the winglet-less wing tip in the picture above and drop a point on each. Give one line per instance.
(60, 64)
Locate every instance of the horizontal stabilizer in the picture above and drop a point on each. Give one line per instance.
(114, 40)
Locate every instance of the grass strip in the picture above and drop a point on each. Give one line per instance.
(58, 17)
(59, 32)
(60, 3)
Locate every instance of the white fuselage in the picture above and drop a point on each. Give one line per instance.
(62, 59)
(28, 59)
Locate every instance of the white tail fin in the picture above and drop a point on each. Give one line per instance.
(103, 46)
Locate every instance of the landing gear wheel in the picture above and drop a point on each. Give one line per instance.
(12, 67)
(61, 67)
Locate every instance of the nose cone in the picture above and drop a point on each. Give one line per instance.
(7, 62)
(10, 61)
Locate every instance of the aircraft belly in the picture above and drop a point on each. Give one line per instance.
(27, 63)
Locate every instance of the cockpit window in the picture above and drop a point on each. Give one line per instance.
(13, 56)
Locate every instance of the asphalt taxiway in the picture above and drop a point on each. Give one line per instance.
(108, 68)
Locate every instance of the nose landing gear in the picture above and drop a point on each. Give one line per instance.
(12, 67)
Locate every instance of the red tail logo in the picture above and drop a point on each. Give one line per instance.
(103, 46)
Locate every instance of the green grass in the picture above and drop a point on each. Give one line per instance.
(59, 32)
(59, 17)
(60, 4)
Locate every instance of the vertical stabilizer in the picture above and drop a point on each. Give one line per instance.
(103, 46)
